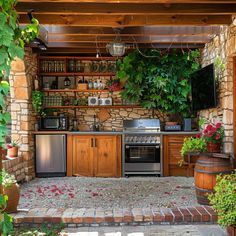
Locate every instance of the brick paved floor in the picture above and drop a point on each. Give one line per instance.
(139, 201)
(74, 217)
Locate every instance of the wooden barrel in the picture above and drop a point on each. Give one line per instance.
(205, 171)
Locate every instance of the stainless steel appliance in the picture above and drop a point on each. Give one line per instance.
(54, 123)
(142, 147)
(50, 155)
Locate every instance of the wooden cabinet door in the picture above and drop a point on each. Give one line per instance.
(106, 156)
(82, 161)
(172, 146)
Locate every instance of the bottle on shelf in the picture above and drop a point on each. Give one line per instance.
(90, 84)
(95, 84)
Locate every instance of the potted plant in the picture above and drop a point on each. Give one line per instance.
(12, 149)
(37, 102)
(223, 200)
(213, 135)
(192, 146)
(12, 190)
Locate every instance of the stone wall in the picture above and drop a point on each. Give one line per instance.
(221, 48)
(22, 76)
(17, 167)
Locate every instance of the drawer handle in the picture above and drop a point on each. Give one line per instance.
(91, 142)
(95, 143)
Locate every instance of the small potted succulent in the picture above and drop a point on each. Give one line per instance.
(12, 149)
(223, 200)
(12, 190)
(193, 146)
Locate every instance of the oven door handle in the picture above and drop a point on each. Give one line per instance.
(156, 146)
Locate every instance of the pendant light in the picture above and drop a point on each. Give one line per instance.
(116, 48)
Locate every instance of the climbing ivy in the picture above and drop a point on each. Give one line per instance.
(12, 42)
(159, 79)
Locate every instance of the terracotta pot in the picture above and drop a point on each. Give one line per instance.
(13, 193)
(12, 152)
(213, 147)
(231, 230)
(171, 123)
(3, 154)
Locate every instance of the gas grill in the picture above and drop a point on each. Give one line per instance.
(142, 148)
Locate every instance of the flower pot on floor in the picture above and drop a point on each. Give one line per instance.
(13, 193)
(12, 152)
(231, 230)
(213, 147)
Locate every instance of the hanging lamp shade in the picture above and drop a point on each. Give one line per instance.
(116, 49)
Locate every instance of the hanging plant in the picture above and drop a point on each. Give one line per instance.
(159, 80)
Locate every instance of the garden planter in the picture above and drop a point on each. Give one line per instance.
(205, 171)
(231, 230)
(191, 157)
(213, 147)
(13, 193)
(12, 152)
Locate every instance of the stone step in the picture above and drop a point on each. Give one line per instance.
(76, 217)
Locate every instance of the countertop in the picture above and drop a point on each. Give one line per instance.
(113, 132)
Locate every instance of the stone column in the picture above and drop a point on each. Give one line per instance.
(23, 73)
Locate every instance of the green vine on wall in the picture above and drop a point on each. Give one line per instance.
(12, 42)
(160, 80)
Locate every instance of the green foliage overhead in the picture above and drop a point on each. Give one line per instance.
(159, 80)
(223, 200)
(12, 42)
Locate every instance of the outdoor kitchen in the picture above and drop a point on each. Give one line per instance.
(120, 113)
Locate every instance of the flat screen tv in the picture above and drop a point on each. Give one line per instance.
(203, 88)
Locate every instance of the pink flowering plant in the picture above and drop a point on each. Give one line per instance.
(213, 133)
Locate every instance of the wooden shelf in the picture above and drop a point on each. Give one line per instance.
(75, 90)
(89, 107)
(63, 74)
(77, 58)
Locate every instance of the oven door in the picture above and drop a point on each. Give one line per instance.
(142, 153)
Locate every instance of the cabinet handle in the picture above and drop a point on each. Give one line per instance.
(94, 144)
(91, 142)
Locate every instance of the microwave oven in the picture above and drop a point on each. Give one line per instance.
(54, 123)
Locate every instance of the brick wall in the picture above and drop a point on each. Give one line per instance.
(16, 167)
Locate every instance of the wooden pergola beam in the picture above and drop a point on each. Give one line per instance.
(135, 31)
(90, 8)
(127, 21)
(142, 45)
(132, 39)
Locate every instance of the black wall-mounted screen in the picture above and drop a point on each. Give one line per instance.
(203, 88)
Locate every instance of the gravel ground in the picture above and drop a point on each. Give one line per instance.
(105, 193)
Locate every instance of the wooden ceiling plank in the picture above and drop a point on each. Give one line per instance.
(148, 30)
(150, 45)
(127, 21)
(84, 8)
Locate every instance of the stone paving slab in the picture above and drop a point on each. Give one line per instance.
(116, 216)
(157, 230)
